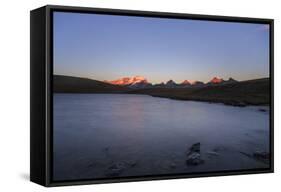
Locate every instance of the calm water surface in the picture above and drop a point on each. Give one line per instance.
(97, 134)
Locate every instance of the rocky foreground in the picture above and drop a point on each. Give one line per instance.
(194, 158)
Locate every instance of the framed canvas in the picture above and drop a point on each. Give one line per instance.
(122, 95)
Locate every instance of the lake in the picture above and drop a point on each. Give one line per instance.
(119, 135)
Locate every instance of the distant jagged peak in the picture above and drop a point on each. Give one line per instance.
(138, 79)
(129, 80)
(186, 82)
(231, 79)
(158, 84)
(170, 82)
(216, 80)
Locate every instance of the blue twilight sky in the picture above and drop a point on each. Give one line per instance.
(105, 47)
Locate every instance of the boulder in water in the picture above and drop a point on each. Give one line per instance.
(194, 159)
(116, 169)
(195, 148)
(194, 156)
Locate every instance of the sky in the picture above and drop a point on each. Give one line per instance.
(106, 47)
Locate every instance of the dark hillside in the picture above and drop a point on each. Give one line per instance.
(252, 92)
(67, 84)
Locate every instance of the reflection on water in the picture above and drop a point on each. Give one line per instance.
(113, 135)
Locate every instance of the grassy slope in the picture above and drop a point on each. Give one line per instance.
(67, 84)
(252, 92)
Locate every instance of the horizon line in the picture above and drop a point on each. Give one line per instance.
(191, 81)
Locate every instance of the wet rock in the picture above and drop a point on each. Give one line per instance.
(262, 110)
(116, 169)
(246, 154)
(259, 156)
(195, 148)
(132, 163)
(236, 103)
(262, 156)
(194, 156)
(239, 104)
(194, 159)
(213, 153)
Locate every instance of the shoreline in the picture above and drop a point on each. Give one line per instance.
(229, 103)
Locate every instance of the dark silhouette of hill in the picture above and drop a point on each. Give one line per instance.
(251, 92)
(68, 84)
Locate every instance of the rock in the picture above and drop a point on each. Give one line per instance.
(238, 104)
(262, 156)
(241, 104)
(259, 156)
(194, 159)
(116, 169)
(246, 154)
(262, 110)
(132, 163)
(195, 148)
(235, 103)
(194, 156)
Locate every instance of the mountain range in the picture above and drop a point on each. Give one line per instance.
(141, 82)
(231, 92)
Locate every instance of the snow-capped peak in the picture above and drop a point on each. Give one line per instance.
(128, 80)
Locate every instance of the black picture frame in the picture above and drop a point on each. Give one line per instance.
(41, 61)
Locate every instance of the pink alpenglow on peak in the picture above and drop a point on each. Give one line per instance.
(128, 80)
(216, 80)
(186, 82)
